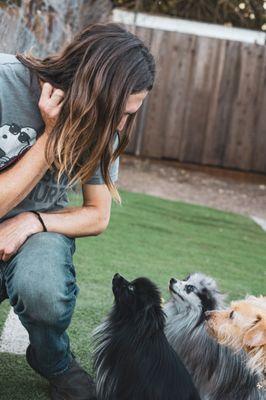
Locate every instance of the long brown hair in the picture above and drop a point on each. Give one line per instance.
(98, 71)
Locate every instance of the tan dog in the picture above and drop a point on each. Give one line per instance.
(243, 325)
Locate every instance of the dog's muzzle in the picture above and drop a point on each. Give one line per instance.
(118, 280)
(118, 283)
(171, 284)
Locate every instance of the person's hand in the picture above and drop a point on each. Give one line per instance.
(50, 104)
(15, 231)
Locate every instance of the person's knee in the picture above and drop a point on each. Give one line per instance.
(43, 246)
(41, 283)
(46, 305)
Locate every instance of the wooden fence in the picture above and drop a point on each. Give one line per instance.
(208, 105)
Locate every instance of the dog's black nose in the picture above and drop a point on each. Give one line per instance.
(173, 281)
(118, 279)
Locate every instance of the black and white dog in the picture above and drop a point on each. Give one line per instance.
(218, 373)
(133, 359)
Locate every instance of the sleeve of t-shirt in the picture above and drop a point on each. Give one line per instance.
(97, 177)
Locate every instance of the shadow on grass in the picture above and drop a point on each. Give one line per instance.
(18, 381)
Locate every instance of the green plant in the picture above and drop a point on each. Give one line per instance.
(241, 13)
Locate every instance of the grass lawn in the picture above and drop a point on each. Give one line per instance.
(149, 237)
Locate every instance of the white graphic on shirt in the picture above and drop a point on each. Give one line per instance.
(14, 140)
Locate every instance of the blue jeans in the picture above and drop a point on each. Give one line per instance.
(40, 282)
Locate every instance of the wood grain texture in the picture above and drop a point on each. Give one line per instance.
(208, 105)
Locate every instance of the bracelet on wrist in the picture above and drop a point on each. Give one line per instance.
(40, 219)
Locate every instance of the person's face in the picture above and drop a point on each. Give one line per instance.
(133, 104)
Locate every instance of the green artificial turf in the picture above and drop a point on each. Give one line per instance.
(151, 237)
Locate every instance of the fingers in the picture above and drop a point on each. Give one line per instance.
(51, 96)
(57, 97)
(50, 104)
(47, 91)
(8, 252)
(6, 257)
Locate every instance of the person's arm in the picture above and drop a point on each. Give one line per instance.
(19, 179)
(90, 219)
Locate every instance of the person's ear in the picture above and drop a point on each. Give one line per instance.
(256, 336)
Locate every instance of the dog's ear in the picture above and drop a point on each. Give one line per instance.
(208, 302)
(255, 336)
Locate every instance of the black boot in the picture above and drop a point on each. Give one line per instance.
(74, 384)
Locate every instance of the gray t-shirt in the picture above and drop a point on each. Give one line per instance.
(20, 125)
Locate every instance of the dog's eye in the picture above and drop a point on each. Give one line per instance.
(231, 314)
(258, 319)
(131, 288)
(190, 288)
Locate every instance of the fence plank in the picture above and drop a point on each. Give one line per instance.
(135, 144)
(181, 58)
(225, 82)
(197, 104)
(153, 141)
(258, 159)
(238, 152)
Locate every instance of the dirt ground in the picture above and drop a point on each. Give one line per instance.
(239, 192)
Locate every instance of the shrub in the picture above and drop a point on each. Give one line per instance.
(249, 14)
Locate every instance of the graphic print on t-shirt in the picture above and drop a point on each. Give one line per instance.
(14, 140)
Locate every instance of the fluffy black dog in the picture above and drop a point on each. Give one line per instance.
(132, 359)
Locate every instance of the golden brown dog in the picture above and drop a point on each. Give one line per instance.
(243, 325)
